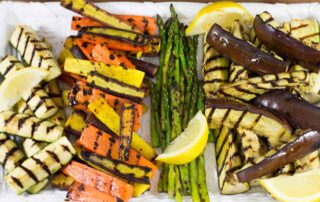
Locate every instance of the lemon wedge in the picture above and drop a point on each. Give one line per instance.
(18, 83)
(189, 145)
(300, 187)
(223, 13)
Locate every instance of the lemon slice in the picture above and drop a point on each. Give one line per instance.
(223, 13)
(299, 187)
(189, 145)
(19, 82)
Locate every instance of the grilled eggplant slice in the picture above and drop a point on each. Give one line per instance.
(29, 126)
(149, 68)
(10, 155)
(233, 114)
(305, 143)
(299, 113)
(228, 161)
(34, 51)
(32, 147)
(215, 69)
(244, 53)
(115, 87)
(119, 34)
(309, 162)
(284, 44)
(118, 168)
(111, 120)
(250, 145)
(238, 72)
(84, 67)
(305, 30)
(246, 90)
(126, 128)
(62, 181)
(90, 10)
(8, 65)
(40, 166)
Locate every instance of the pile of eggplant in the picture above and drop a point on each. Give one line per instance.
(262, 90)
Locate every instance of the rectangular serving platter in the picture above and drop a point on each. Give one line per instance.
(52, 22)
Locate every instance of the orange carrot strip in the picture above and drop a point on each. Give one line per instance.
(104, 144)
(99, 180)
(81, 95)
(82, 193)
(86, 48)
(101, 53)
(147, 25)
(78, 22)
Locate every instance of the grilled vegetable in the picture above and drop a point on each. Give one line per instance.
(62, 181)
(84, 67)
(111, 120)
(92, 11)
(23, 108)
(40, 103)
(40, 166)
(81, 192)
(121, 169)
(79, 22)
(81, 95)
(305, 143)
(118, 34)
(10, 154)
(115, 87)
(152, 48)
(285, 45)
(228, 161)
(104, 144)
(308, 162)
(244, 53)
(250, 145)
(215, 70)
(78, 53)
(32, 147)
(234, 114)
(66, 50)
(246, 90)
(99, 180)
(149, 68)
(76, 122)
(126, 128)
(29, 126)
(58, 118)
(101, 53)
(8, 65)
(86, 48)
(299, 113)
(305, 30)
(54, 92)
(35, 189)
(238, 72)
(34, 51)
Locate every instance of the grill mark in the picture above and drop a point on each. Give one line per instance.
(220, 68)
(41, 102)
(30, 173)
(8, 69)
(298, 27)
(43, 165)
(8, 155)
(54, 156)
(22, 121)
(10, 118)
(40, 61)
(238, 73)
(225, 117)
(238, 88)
(3, 141)
(34, 128)
(223, 164)
(212, 58)
(32, 94)
(269, 20)
(25, 47)
(19, 37)
(50, 128)
(256, 121)
(309, 36)
(214, 80)
(17, 181)
(210, 115)
(223, 143)
(32, 55)
(236, 126)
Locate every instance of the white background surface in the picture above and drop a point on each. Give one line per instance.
(52, 21)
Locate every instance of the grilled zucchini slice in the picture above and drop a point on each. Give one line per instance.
(9, 64)
(40, 166)
(250, 145)
(34, 51)
(35, 189)
(29, 127)
(32, 147)
(228, 161)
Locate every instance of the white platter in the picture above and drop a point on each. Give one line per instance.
(52, 21)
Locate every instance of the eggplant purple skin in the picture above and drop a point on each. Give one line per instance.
(305, 143)
(149, 68)
(244, 53)
(231, 104)
(286, 46)
(299, 113)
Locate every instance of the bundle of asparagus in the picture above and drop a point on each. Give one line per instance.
(176, 97)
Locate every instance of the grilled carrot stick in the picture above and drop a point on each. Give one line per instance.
(78, 22)
(101, 53)
(81, 95)
(86, 48)
(104, 144)
(99, 180)
(83, 193)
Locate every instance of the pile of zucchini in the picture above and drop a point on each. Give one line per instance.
(38, 119)
(261, 86)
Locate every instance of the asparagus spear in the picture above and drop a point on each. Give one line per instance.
(193, 181)
(155, 134)
(203, 190)
(171, 181)
(178, 194)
